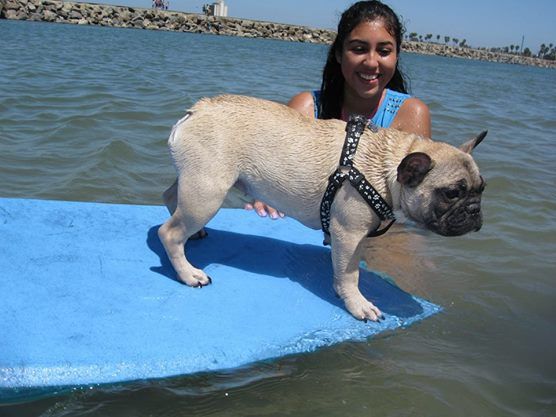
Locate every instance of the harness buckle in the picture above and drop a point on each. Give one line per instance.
(356, 178)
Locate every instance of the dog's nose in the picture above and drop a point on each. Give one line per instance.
(473, 209)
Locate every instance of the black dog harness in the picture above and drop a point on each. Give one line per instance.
(354, 129)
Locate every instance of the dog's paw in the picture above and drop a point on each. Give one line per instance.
(197, 279)
(363, 309)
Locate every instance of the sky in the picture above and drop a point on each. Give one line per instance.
(488, 23)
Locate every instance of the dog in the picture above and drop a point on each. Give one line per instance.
(281, 157)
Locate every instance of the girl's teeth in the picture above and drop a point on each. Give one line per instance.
(369, 77)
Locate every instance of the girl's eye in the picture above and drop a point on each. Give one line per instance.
(359, 50)
(384, 52)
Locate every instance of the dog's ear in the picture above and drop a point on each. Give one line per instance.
(468, 146)
(413, 169)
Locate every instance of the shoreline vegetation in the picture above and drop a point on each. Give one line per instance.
(58, 11)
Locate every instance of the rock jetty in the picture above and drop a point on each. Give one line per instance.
(129, 17)
(427, 48)
(153, 19)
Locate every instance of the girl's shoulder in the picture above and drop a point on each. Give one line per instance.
(413, 104)
(304, 103)
(413, 116)
(404, 101)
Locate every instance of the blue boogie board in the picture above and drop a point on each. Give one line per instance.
(88, 295)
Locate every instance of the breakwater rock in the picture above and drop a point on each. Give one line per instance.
(140, 18)
(427, 48)
(154, 19)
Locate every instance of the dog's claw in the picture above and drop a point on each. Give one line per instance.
(201, 285)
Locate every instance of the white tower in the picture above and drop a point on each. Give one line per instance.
(220, 9)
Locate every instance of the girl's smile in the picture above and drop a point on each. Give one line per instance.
(368, 60)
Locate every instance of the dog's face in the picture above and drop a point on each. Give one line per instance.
(442, 187)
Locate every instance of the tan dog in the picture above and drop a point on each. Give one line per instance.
(283, 158)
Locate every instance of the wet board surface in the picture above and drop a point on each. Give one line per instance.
(89, 296)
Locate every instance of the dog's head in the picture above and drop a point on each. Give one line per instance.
(441, 187)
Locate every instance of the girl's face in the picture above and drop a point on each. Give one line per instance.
(368, 59)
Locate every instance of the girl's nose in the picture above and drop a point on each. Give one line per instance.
(371, 59)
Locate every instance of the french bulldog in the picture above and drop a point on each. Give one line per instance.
(281, 157)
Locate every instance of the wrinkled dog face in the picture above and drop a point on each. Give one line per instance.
(456, 208)
(442, 188)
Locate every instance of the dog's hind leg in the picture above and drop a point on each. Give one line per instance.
(170, 197)
(173, 235)
(189, 217)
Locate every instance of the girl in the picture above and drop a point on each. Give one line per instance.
(361, 76)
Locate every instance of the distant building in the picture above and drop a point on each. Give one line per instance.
(218, 8)
(161, 4)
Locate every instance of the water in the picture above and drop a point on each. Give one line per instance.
(85, 113)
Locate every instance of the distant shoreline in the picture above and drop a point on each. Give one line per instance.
(131, 17)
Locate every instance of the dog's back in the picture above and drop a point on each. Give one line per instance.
(272, 151)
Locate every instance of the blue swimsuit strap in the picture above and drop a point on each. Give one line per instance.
(386, 112)
(389, 108)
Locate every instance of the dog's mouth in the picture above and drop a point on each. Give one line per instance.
(458, 220)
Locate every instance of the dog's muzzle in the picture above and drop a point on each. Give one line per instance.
(458, 220)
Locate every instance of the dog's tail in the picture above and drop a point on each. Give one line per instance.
(179, 122)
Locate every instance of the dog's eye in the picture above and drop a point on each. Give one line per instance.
(451, 193)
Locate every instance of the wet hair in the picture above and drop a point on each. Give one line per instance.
(332, 88)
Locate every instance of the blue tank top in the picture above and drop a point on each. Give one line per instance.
(385, 113)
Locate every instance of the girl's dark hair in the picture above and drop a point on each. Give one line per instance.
(332, 88)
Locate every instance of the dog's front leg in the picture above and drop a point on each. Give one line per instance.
(346, 246)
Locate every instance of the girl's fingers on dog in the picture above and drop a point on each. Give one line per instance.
(260, 208)
(263, 210)
(274, 214)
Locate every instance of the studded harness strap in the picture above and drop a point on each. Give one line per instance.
(354, 129)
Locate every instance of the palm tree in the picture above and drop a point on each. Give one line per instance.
(437, 38)
(446, 39)
(542, 50)
(551, 53)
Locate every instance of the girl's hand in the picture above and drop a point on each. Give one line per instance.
(263, 210)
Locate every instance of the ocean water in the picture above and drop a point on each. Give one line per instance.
(85, 113)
